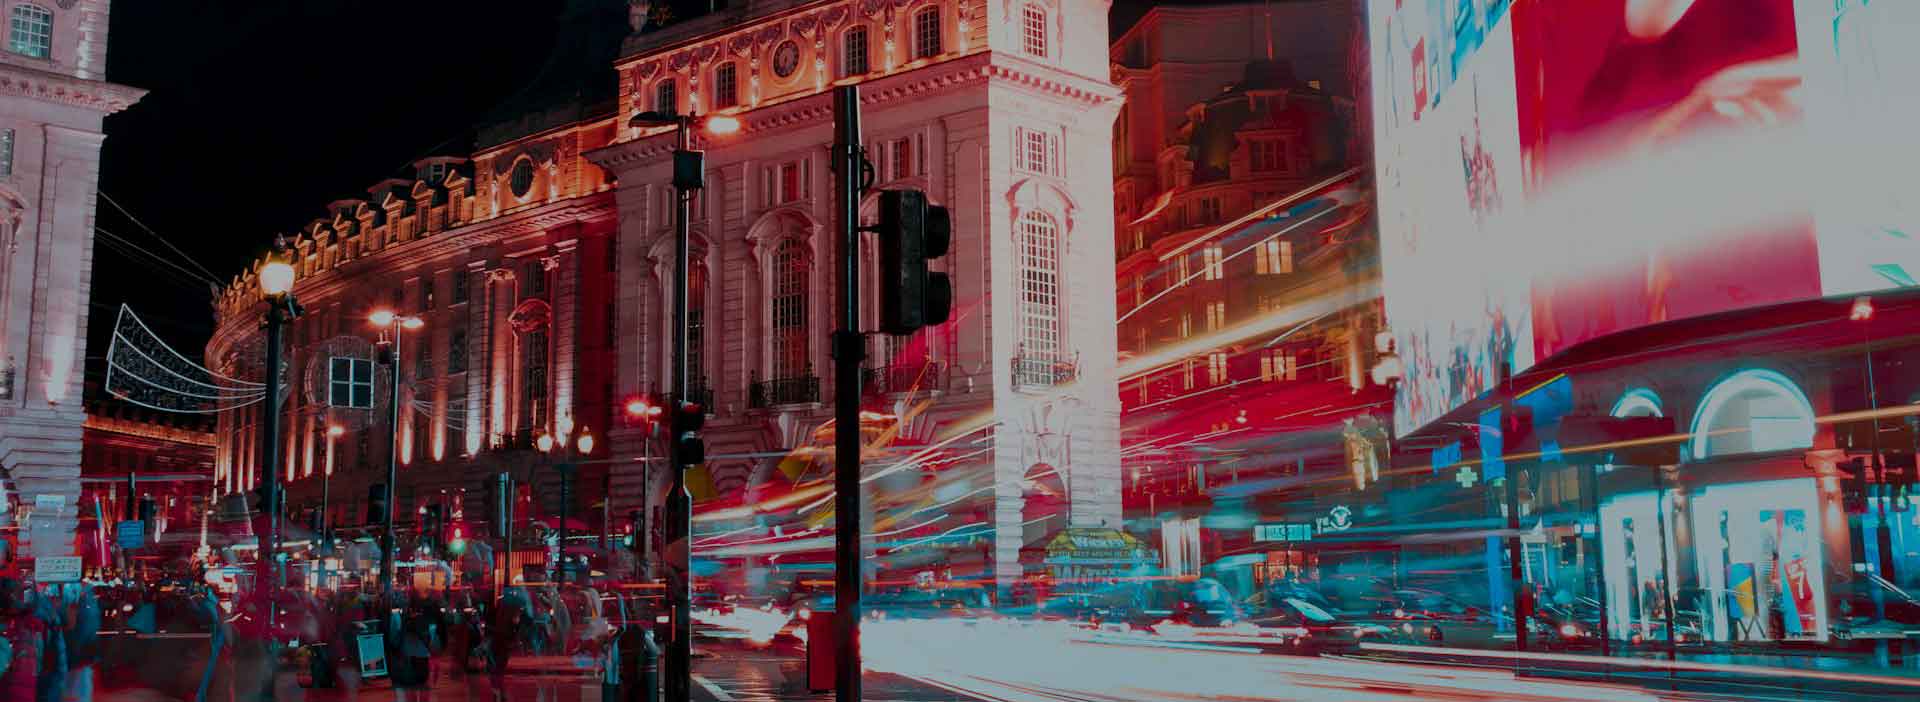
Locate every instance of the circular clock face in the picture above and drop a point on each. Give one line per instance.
(786, 59)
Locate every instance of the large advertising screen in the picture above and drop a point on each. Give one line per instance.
(1552, 172)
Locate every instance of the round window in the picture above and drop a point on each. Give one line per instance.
(522, 181)
(786, 59)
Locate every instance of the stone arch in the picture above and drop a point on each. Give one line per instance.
(1751, 411)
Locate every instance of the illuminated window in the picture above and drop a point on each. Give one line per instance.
(1216, 315)
(1039, 265)
(350, 382)
(1273, 257)
(1211, 267)
(1268, 155)
(926, 33)
(1181, 270)
(31, 31)
(791, 263)
(1036, 151)
(1186, 324)
(1033, 24)
(726, 89)
(1139, 238)
(1277, 364)
(666, 97)
(1216, 368)
(1140, 340)
(1139, 290)
(535, 379)
(853, 52)
(1187, 369)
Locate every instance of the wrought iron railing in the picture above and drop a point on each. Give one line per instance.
(783, 391)
(1043, 372)
(905, 377)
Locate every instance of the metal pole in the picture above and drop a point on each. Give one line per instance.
(679, 512)
(566, 513)
(642, 531)
(848, 353)
(270, 551)
(388, 540)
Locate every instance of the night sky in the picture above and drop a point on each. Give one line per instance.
(260, 113)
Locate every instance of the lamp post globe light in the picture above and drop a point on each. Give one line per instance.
(580, 447)
(689, 175)
(390, 325)
(276, 289)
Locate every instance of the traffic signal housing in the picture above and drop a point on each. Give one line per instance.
(688, 447)
(911, 232)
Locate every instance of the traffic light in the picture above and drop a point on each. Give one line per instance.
(910, 233)
(377, 503)
(688, 448)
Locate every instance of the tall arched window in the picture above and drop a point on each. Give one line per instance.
(1033, 30)
(696, 320)
(30, 31)
(926, 32)
(726, 87)
(792, 262)
(853, 52)
(666, 97)
(1038, 258)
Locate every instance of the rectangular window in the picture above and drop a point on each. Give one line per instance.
(1139, 239)
(1211, 267)
(426, 293)
(1182, 270)
(789, 181)
(457, 349)
(666, 97)
(350, 382)
(31, 32)
(1268, 155)
(1273, 257)
(1187, 368)
(726, 90)
(1139, 290)
(1140, 340)
(1277, 365)
(536, 277)
(1033, 25)
(1186, 324)
(901, 155)
(926, 33)
(1217, 368)
(423, 359)
(1216, 315)
(6, 152)
(536, 379)
(920, 153)
(1036, 151)
(853, 59)
(1209, 210)
(461, 286)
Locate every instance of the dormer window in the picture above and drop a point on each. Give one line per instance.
(1267, 156)
(30, 31)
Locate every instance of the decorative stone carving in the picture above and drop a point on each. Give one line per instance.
(649, 68)
(680, 61)
(739, 44)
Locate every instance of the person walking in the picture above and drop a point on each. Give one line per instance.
(416, 653)
(23, 637)
(508, 620)
(83, 641)
(52, 684)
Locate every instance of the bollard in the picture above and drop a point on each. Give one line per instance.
(639, 661)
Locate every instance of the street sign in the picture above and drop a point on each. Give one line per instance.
(56, 569)
(1283, 532)
(131, 534)
(49, 503)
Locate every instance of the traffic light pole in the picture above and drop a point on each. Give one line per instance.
(679, 508)
(848, 354)
(278, 314)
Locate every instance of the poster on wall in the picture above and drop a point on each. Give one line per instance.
(1449, 183)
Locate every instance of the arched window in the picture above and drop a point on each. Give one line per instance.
(926, 32)
(792, 262)
(666, 97)
(1038, 259)
(1033, 30)
(696, 320)
(853, 52)
(30, 33)
(1753, 411)
(726, 88)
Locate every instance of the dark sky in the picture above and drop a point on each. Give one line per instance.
(260, 113)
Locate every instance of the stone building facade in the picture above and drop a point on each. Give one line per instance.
(53, 99)
(1001, 111)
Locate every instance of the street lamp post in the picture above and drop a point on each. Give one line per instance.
(276, 287)
(580, 447)
(689, 175)
(648, 412)
(392, 325)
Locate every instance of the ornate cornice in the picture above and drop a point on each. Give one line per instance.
(108, 98)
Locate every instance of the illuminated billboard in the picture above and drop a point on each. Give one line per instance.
(1552, 172)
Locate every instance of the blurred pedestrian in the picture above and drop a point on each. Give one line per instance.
(83, 641)
(24, 636)
(47, 608)
(416, 653)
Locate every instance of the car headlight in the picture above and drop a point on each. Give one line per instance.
(1569, 630)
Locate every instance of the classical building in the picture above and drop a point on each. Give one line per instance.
(53, 98)
(1247, 287)
(1002, 112)
(505, 255)
(162, 457)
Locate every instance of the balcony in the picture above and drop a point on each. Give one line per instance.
(798, 390)
(701, 393)
(925, 376)
(1031, 372)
